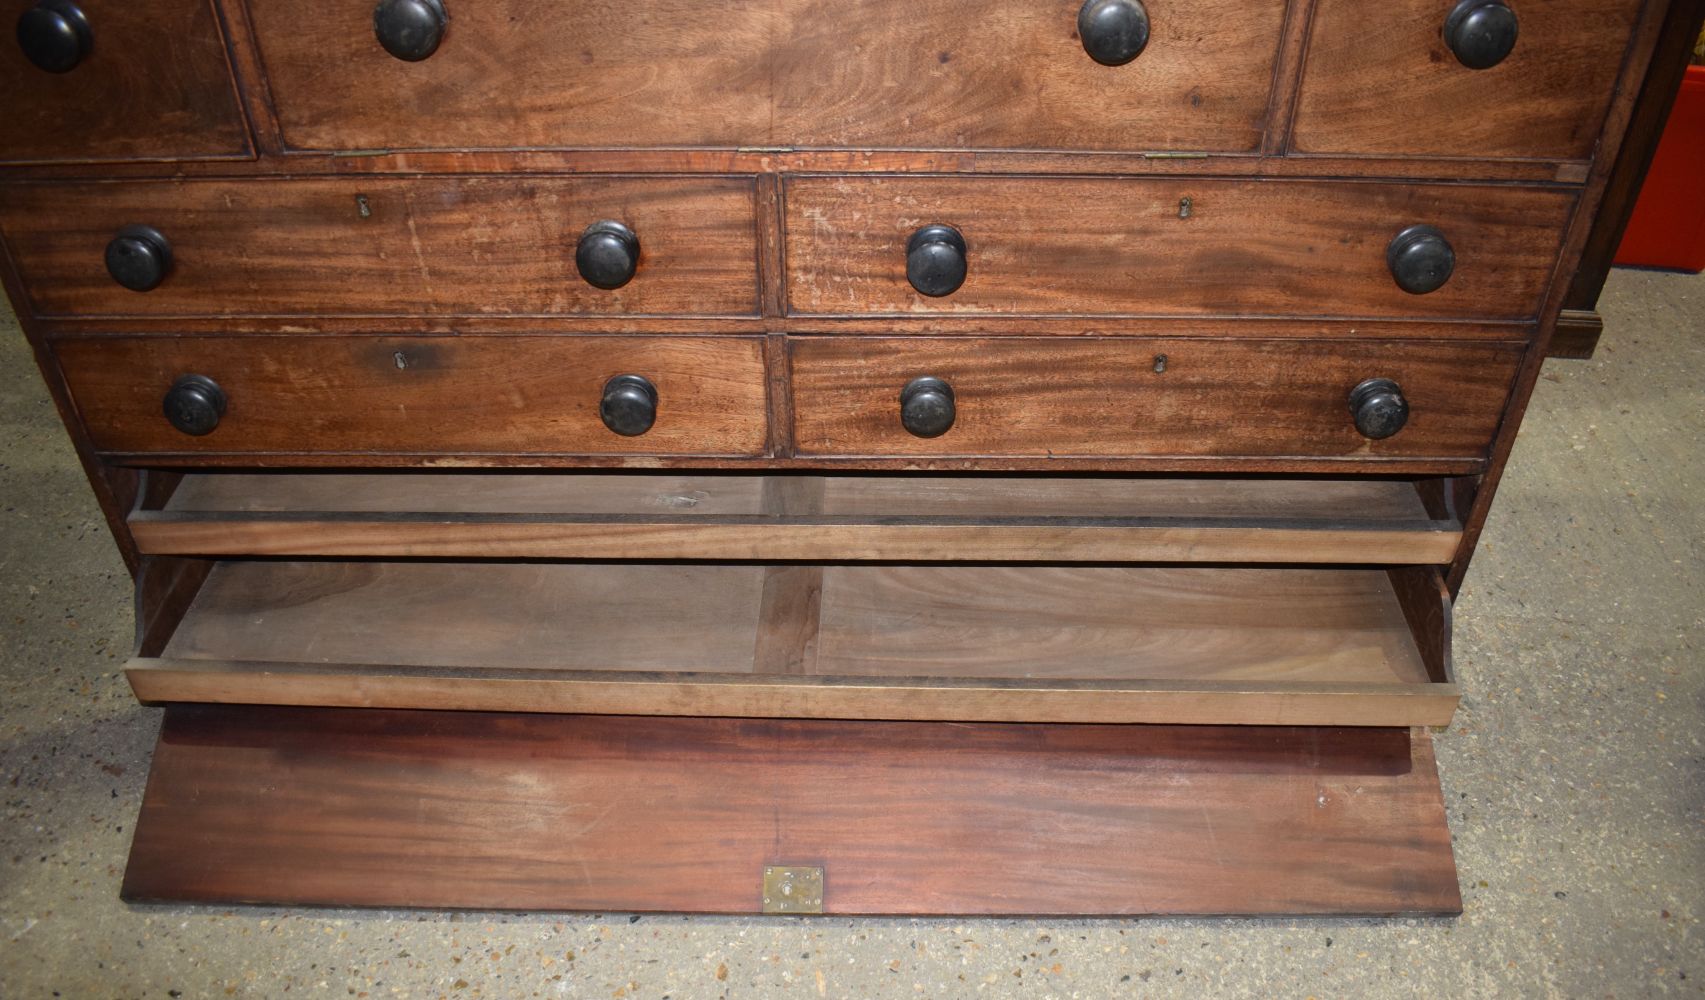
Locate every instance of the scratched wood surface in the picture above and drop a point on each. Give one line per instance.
(710, 495)
(1546, 100)
(887, 73)
(155, 85)
(622, 814)
(1090, 622)
(1105, 246)
(960, 74)
(388, 246)
(400, 395)
(1104, 396)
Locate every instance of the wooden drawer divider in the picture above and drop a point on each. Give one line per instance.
(791, 517)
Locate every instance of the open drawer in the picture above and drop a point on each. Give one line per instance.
(707, 516)
(1016, 643)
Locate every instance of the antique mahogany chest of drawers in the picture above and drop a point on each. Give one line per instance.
(936, 456)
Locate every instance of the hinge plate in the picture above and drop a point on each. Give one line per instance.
(793, 889)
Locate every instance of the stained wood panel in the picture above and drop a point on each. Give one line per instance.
(487, 246)
(524, 73)
(968, 643)
(521, 616)
(886, 74)
(1079, 396)
(155, 85)
(1013, 74)
(1129, 246)
(1546, 100)
(919, 518)
(422, 395)
(553, 812)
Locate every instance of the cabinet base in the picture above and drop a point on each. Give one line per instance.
(370, 807)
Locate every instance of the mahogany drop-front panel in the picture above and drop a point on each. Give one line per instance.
(155, 84)
(394, 246)
(668, 73)
(1163, 397)
(468, 395)
(1168, 246)
(1381, 79)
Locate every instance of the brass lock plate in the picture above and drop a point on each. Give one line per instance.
(793, 889)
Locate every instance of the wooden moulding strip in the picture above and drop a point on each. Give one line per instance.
(1244, 702)
(806, 518)
(810, 538)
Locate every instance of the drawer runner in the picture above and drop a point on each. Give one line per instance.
(810, 518)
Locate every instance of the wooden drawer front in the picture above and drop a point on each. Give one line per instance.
(464, 395)
(1105, 246)
(387, 246)
(1383, 80)
(884, 73)
(1104, 397)
(526, 73)
(1013, 73)
(154, 84)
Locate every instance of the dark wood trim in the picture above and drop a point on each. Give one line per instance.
(1237, 327)
(1282, 465)
(726, 161)
(249, 76)
(1580, 326)
(114, 486)
(165, 588)
(1577, 334)
(1287, 76)
(1640, 50)
(1426, 604)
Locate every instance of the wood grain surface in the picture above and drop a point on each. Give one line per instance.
(887, 73)
(155, 85)
(1104, 246)
(960, 74)
(922, 518)
(1104, 397)
(435, 809)
(426, 246)
(422, 395)
(526, 73)
(1383, 81)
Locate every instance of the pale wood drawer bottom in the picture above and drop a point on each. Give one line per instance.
(1128, 644)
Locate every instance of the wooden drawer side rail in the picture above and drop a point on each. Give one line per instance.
(726, 518)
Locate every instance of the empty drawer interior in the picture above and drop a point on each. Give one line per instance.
(1068, 643)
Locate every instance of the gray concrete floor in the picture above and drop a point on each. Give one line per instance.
(1574, 772)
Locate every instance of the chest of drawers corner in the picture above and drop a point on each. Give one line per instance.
(767, 456)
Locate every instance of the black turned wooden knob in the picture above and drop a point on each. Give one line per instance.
(1421, 259)
(55, 35)
(607, 254)
(935, 260)
(410, 29)
(1379, 408)
(926, 406)
(1113, 32)
(1481, 33)
(139, 258)
(194, 404)
(630, 405)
